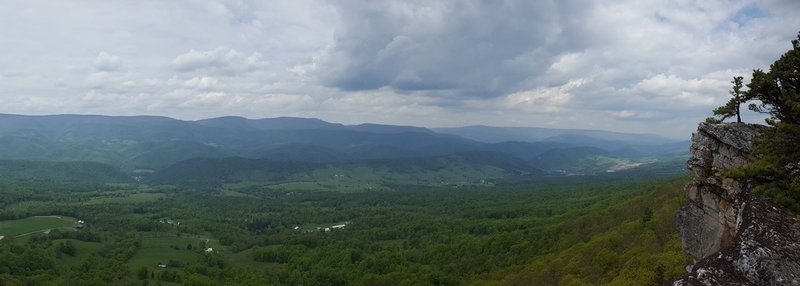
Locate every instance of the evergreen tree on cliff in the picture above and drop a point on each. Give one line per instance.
(779, 88)
(733, 106)
(777, 168)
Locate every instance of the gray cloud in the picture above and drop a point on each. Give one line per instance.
(642, 66)
(470, 47)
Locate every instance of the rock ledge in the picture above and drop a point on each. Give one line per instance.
(738, 238)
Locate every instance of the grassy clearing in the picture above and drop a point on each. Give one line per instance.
(160, 250)
(12, 228)
(152, 257)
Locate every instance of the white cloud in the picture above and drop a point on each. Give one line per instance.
(551, 99)
(200, 82)
(107, 80)
(689, 92)
(219, 60)
(623, 114)
(107, 62)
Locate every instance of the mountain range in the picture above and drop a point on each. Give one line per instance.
(154, 143)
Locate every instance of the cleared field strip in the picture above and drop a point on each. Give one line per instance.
(26, 226)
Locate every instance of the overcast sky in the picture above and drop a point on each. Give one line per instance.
(631, 65)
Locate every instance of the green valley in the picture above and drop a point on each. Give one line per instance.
(552, 230)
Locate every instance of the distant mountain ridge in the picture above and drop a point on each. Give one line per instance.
(491, 134)
(629, 145)
(156, 142)
(278, 123)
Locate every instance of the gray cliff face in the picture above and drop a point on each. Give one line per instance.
(709, 222)
(738, 238)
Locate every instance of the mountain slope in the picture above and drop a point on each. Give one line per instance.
(154, 142)
(462, 168)
(60, 172)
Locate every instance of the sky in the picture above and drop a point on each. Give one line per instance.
(642, 66)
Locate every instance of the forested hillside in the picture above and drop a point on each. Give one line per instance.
(151, 143)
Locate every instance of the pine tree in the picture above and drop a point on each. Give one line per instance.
(777, 151)
(734, 104)
(778, 90)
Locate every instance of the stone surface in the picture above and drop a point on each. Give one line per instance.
(708, 223)
(738, 238)
(766, 251)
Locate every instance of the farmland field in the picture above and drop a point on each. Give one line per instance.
(12, 228)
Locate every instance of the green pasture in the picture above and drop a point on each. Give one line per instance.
(12, 228)
(160, 250)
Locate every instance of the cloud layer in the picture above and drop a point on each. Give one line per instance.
(640, 66)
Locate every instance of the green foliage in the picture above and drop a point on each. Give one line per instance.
(778, 92)
(171, 276)
(457, 169)
(777, 151)
(62, 172)
(713, 120)
(277, 253)
(732, 108)
(67, 247)
(647, 216)
(142, 273)
(632, 249)
(415, 236)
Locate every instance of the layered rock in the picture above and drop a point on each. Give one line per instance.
(738, 238)
(709, 222)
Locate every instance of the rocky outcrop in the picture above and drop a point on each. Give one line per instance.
(709, 222)
(737, 238)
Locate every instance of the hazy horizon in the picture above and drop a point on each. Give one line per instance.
(655, 67)
(683, 138)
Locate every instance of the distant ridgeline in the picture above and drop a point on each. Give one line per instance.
(141, 145)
